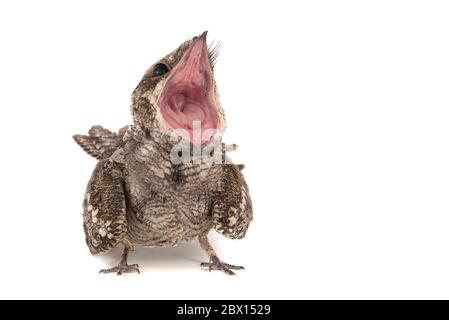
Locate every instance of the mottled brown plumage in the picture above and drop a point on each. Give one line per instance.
(138, 193)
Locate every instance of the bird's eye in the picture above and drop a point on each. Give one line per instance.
(159, 70)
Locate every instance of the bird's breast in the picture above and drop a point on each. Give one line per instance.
(167, 204)
(167, 217)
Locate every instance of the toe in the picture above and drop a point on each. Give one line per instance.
(228, 271)
(104, 271)
(225, 267)
(231, 266)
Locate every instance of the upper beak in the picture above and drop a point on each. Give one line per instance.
(194, 66)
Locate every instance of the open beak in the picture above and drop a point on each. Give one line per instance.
(188, 100)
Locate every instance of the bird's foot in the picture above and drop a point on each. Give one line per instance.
(216, 264)
(122, 268)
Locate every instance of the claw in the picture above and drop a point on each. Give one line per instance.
(218, 265)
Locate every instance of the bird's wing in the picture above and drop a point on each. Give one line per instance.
(105, 208)
(100, 143)
(232, 210)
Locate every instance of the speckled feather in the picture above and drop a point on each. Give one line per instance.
(100, 143)
(104, 207)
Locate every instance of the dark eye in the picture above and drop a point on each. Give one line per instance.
(159, 70)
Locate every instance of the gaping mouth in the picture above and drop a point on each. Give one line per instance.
(187, 102)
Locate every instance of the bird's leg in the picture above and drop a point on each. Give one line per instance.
(123, 266)
(215, 263)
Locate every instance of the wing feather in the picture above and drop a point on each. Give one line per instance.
(232, 212)
(104, 207)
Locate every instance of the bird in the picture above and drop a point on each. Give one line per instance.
(166, 178)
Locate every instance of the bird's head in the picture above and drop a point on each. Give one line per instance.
(177, 96)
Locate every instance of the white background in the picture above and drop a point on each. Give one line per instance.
(341, 112)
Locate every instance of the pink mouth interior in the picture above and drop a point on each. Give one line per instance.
(188, 97)
(183, 106)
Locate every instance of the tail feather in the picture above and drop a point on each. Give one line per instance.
(100, 142)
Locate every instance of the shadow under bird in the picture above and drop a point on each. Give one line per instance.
(143, 191)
